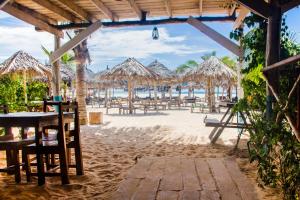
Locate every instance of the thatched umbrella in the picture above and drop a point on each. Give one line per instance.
(26, 65)
(213, 71)
(165, 75)
(133, 72)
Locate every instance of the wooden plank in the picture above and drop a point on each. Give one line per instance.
(189, 195)
(189, 175)
(3, 3)
(282, 63)
(227, 187)
(77, 10)
(244, 185)
(167, 195)
(168, 7)
(31, 19)
(74, 42)
(147, 189)
(172, 179)
(157, 168)
(140, 170)
(219, 38)
(105, 10)
(240, 19)
(206, 178)
(209, 195)
(56, 9)
(135, 8)
(258, 7)
(126, 189)
(200, 7)
(232, 9)
(290, 5)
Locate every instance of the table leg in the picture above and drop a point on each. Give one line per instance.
(39, 156)
(16, 163)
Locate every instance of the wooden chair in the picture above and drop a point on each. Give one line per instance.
(12, 146)
(58, 146)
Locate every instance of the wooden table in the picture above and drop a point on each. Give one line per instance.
(38, 120)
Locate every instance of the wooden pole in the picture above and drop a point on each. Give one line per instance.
(273, 50)
(155, 93)
(56, 71)
(170, 92)
(209, 94)
(25, 86)
(130, 95)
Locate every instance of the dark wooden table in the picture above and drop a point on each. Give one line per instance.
(38, 120)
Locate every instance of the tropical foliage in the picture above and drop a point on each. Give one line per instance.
(272, 144)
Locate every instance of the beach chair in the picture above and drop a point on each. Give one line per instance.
(226, 122)
(12, 146)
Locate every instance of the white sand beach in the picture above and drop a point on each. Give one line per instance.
(109, 150)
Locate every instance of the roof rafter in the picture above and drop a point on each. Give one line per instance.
(200, 7)
(77, 10)
(31, 18)
(135, 8)
(259, 7)
(232, 9)
(3, 3)
(239, 20)
(105, 10)
(168, 7)
(56, 9)
(290, 5)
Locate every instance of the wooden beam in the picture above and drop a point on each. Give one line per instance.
(56, 9)
(77, 10)
(105, 10)
(135, 8)
(75, 41)
(232, 9)
(280, 64)
(200, 7)
(220, 39)
(31, 19)
(35, 14)
(168, 7)
(259, 7)
(3, 3)
(290, 5)
(240, 19)
(146, 22)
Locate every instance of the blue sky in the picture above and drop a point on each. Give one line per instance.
(177, 43)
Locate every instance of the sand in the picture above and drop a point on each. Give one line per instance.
(109, 150)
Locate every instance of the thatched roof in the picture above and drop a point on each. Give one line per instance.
(212, 68)
(22, 61)
(164, 73)
(67, 73)
(130, 68)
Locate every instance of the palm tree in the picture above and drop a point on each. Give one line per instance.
(185, 68)
(82, 56)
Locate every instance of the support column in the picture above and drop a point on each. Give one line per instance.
(56, 73)
(273, 50)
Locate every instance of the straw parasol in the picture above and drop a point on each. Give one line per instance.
(165, 75)
(26, 65)
(133, 72)
(213, 72)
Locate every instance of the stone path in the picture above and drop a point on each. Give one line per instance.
(182, 178)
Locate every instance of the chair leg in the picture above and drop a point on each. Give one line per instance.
(64, 168)
(27, 166)
(16, 163)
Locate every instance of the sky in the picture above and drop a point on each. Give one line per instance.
(177, 43)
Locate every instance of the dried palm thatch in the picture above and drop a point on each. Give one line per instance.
(26, 65)
(165, 75)
(133, 72)
(21, 62)
(214, 72)
(100, 80)
(66, 72)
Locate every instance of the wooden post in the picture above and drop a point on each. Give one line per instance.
(209, 94)
(155, 93)
(273, 49)
(25, 86)
(130, 95)
(56, 71)
(170, 92)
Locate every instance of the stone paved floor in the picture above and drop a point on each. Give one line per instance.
(183, 178)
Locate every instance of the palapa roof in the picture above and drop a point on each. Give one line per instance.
(212, 68)
(22, 61)
(130, 68)
(164, 73)
(67, 73)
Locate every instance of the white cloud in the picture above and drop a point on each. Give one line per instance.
(122, 43)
